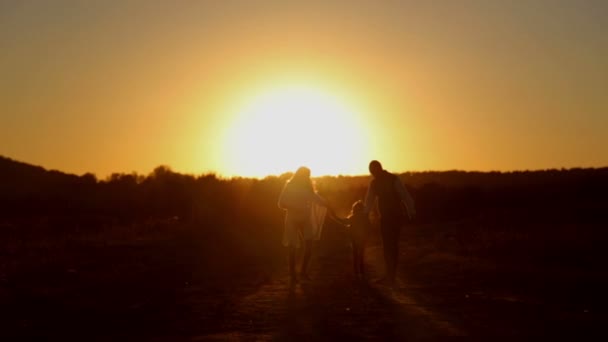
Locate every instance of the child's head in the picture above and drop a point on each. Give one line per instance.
(357, 208)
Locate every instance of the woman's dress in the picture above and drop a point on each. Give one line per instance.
(305, 214)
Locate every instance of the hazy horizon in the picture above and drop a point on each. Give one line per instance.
(145, 173)
(257, 87)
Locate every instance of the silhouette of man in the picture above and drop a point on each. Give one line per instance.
(392, 195)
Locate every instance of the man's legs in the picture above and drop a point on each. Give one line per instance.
(390, 243)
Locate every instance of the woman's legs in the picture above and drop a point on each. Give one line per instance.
(292, 264)
(306, 259)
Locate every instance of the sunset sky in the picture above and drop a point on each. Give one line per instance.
(257, 87)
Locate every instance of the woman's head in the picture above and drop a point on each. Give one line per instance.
(302, 173)
(302, 177)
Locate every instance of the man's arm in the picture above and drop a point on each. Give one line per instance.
(406, 198)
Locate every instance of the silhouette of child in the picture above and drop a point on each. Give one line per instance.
(359, 228)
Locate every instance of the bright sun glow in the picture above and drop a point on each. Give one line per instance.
(283, 128)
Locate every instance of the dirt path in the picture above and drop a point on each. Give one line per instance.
(185, 288)
(333, 305)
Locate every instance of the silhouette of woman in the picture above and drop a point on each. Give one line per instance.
(303, 221)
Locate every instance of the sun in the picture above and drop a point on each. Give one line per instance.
(282, 128)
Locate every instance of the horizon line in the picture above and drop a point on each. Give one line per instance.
(221, 175)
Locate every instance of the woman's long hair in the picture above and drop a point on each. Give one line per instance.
(302, 178)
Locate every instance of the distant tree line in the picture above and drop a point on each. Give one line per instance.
(28, 191)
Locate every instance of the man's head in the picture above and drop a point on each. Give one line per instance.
(375, 168)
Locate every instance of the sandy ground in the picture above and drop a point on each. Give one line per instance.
(174, 290)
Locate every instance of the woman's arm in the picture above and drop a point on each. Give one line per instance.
(283, 202)
(342, 221)
(316, 198)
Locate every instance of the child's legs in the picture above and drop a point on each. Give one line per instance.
(362, 259)
(358, 257)
(355, 258)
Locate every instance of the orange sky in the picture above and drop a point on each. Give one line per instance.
(105, 86)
